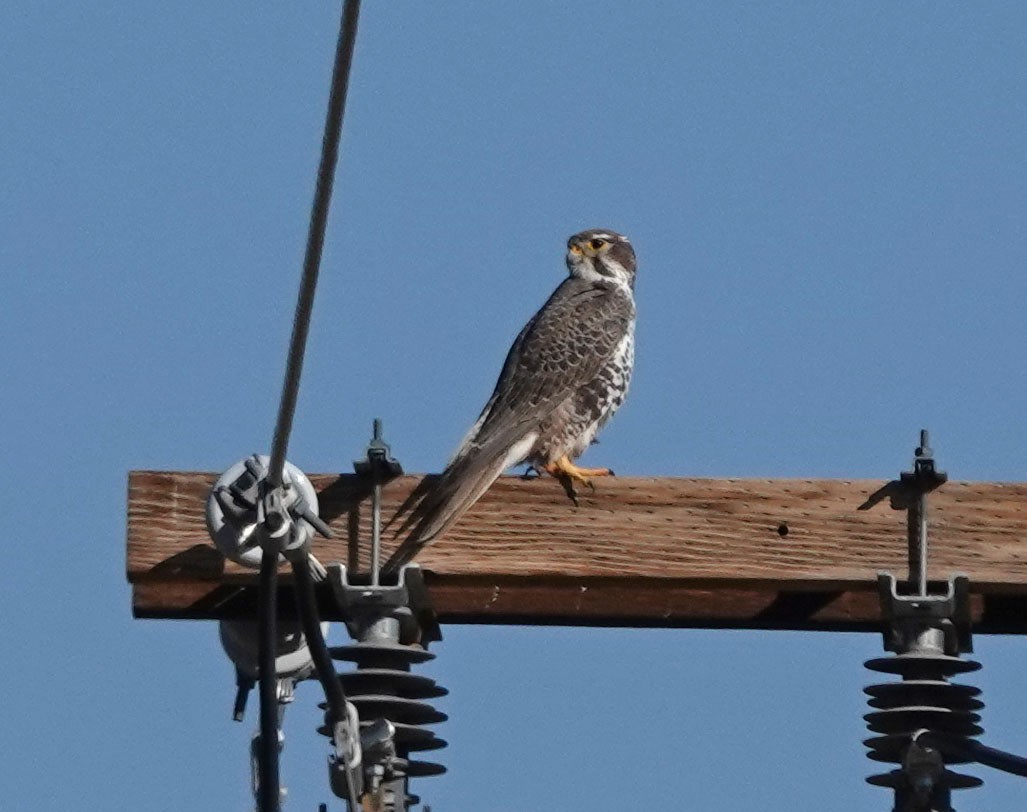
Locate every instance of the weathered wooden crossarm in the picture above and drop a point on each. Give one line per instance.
(741, 553)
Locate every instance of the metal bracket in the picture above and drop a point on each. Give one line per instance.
(908, 617)
(346, 765)
(399, 613)
(379, 463)
(380, 467)
(926, 786)
(914, 613)
(909, 493)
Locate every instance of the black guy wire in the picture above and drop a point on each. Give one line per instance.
(978, 752)
(306, 602)
(268, 796)
(997, 759)
(315, 238)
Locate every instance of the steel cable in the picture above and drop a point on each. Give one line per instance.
(268, 753)
(315, 237)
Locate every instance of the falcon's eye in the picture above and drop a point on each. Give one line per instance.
(597, 243)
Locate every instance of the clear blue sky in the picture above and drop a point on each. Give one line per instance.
(828, 202)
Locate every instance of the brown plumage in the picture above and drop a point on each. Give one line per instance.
(565, 375)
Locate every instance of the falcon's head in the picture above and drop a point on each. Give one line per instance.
(599, 255)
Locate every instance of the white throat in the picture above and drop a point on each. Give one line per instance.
(585, 268)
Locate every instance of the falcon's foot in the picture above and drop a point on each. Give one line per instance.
(568, 473)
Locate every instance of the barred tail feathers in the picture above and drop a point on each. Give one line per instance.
(455, 491)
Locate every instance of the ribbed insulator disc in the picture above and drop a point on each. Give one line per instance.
(397, 709)
(389, 681)
(936, 693)
(380, 655)
(416, 739)
(890, 749)
(895, 779)
(422, 769)
(909, 719)
(922, 666)
(409, 738)
(393, 708)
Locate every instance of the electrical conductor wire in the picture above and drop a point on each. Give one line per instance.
(976, 751)
(268, 752)
(268, 795)
(306, 602)
(315, 238)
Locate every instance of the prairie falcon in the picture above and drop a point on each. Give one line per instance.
(565, 375)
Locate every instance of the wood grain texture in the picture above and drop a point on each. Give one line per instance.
(637, 551)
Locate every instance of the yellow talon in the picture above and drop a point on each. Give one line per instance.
(568, 473)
